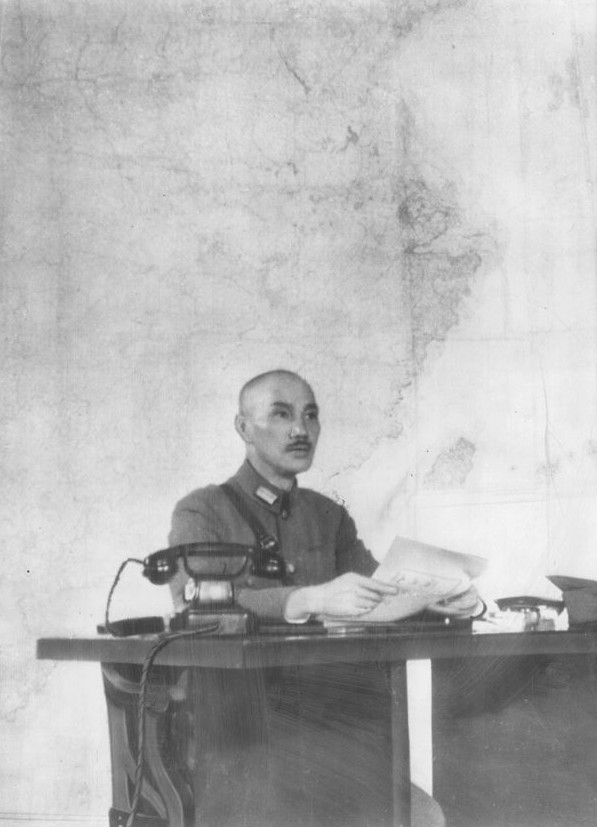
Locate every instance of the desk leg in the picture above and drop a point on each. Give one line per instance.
(165, 795)
(400, 746)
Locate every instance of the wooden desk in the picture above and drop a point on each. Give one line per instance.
(231, 669)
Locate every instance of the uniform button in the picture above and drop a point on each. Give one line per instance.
(284, 514)
(290, 568)
(250, 581)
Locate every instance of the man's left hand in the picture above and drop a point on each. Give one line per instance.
(465, 604)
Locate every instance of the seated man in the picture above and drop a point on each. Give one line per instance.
(328, 567)
(337, 763)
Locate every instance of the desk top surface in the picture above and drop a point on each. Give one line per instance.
(296, 649)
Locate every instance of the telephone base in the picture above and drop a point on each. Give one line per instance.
(231, 621)
(118, 818)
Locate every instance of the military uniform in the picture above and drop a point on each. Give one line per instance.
(317, 537)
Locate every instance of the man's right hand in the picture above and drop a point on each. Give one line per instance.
(349, 595)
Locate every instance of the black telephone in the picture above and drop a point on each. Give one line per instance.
(210, 590)
(212, 569)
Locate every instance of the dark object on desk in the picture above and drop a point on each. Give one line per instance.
(407, 626)
(580, 598)
(526, 601)
(426, 621)
(276, 627)
(134, 626)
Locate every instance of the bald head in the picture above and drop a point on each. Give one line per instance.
(278, 421)
(263, 383)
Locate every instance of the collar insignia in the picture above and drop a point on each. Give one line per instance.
(266, 495)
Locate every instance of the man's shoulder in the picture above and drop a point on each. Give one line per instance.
(199, 498)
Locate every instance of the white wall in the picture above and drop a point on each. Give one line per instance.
(395, 198)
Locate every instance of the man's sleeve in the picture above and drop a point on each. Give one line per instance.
(194, 521)
(268, 603)
(351, 553)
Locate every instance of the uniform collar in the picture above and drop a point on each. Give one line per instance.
(262, 491)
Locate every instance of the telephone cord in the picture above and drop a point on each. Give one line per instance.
(147, 664)
(121, 568)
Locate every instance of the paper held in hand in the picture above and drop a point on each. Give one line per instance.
(424, 575)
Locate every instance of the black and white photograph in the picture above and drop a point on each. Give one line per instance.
(299, 413)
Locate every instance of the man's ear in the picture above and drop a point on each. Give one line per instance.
(240, 423)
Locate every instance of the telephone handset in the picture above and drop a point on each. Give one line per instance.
(161, 566)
